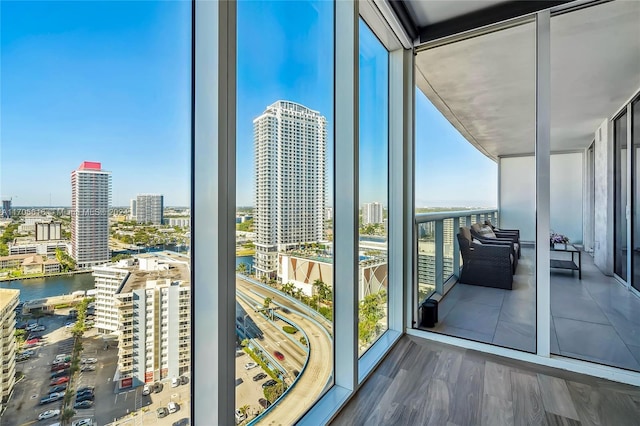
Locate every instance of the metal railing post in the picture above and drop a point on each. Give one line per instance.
(439, 242)
(456, 247)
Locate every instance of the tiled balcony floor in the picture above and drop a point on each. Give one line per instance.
(594, 319)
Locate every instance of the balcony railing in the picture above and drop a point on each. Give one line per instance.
(437, 251)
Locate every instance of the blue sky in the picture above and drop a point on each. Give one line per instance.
(110, 82)
(96, 81)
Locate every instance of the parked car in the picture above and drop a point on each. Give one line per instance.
(83, 422)
(59, 373)
(240, 416)
(88, 360)
(29, 352)
(84, 389)
(175, 382)
(250, 365)
(59, 380)
(146, 390)
(269, 383)
(264, 403)
(33, 342)
(39, 328)
(59, 388)
(278, 355)
(172, 407)
(52, 397)
(88, 367)
(83, 404)
(48, 414)
(162, 412)
(30, 327)
(239, 381)
(184, 380)
(60, 366)
(21, 358)
(157, 387)
(84, 397)
(181, 422)
(70, 324)
(85, 392)
(259, 376)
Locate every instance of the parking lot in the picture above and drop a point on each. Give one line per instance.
(23, 407)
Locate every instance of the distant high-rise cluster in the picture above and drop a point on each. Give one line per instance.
(290, 143)
(372, 213)
(90, 199)
(6, 209)
(148, 208)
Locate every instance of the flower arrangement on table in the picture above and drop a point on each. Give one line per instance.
(555, 238)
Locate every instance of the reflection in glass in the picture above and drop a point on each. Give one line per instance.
(374, 174)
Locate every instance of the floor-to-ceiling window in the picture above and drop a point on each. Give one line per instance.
(476, 171)
(620, 195)
(635, 176)
(373, 282)
(284, 209)
(95, 113)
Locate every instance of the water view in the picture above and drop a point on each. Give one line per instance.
(38, 288)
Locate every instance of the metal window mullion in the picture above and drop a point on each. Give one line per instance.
(213, 212)
(543, 189)
(439, 241)
(629, 207)
(346, 194)
(400, 254)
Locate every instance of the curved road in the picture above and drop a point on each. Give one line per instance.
(311, 383)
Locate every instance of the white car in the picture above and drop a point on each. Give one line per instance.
(240, 416)
(88, 368)
(48, 414)
(146, 390)
(83, 422)
(88, 360)
(175, 382)
(172, 407)
(250, 365)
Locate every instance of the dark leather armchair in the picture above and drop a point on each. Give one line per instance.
(488, 265)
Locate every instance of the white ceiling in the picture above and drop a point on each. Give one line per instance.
(427, 12)
(485, 86)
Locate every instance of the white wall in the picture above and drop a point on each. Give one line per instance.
(517, 195)
(516, 200)
(603, 221)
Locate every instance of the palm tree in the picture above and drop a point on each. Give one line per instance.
(244, 409)
(288, 288)
(242, 268)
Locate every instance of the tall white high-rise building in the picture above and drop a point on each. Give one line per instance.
(132, 209)
(372, 213)
(149, 208)
(108, 279)
(290, 143)
(90, 199)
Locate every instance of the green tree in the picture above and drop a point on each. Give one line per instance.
(244, 409)
(242, 268)
(271, 393)
(288, 288)
(67, 415)
(370, 313)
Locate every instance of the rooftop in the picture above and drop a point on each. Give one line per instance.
(7, 295)
(164, 265)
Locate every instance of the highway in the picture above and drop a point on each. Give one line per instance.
(313, 381)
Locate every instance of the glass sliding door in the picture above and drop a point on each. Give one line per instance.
(635, 141)
(620, 188)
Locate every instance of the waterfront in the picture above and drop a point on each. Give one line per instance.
(38, 288)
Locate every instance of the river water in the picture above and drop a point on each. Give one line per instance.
(39, 288)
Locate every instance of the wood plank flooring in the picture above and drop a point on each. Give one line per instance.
(429, 383)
